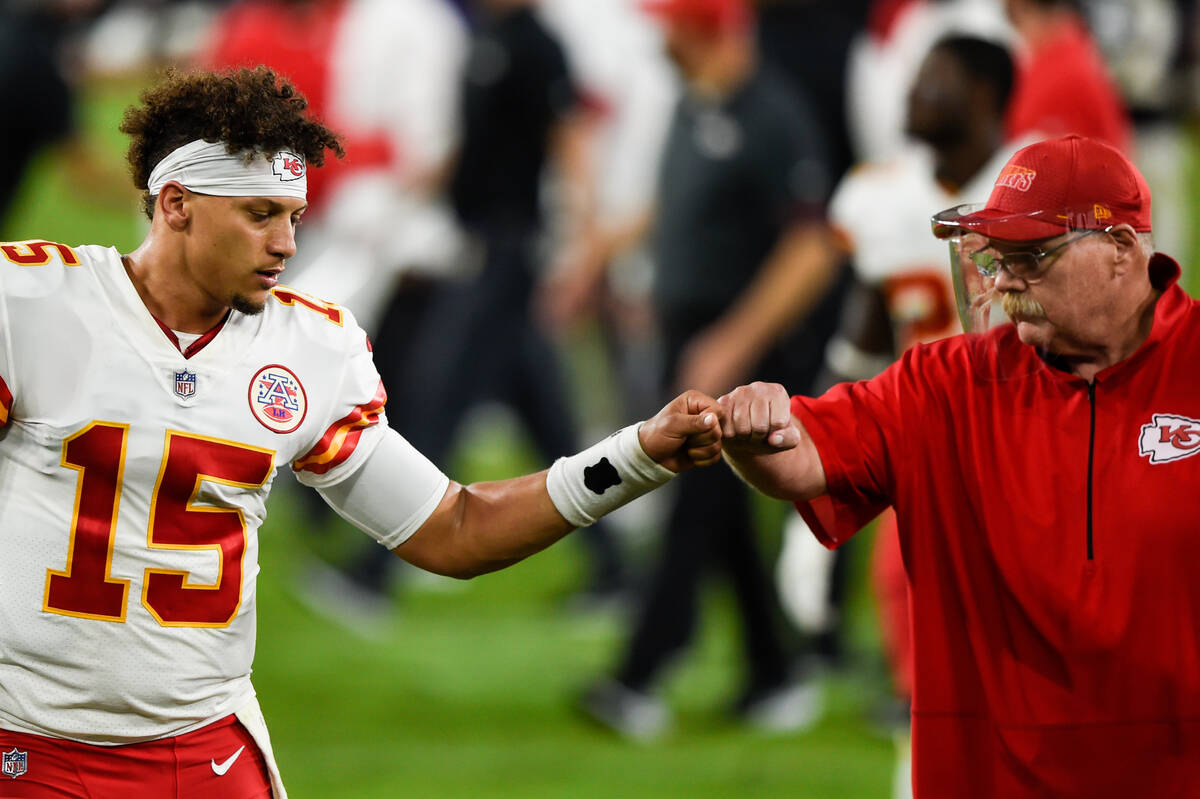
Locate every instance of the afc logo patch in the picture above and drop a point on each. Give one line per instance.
(277, 399)
(601, 476)
(1169, 438)
(15, 762)
(185, 384)
(288, 166)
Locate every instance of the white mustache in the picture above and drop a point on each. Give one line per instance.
(1021, 306)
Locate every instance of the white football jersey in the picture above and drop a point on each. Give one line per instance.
(882, 211)
(133, 481)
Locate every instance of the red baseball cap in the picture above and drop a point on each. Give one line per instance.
(711, 15)
(1052, 186)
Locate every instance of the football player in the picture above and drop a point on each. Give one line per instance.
(147, 400)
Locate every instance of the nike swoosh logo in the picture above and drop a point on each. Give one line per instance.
(220, 769)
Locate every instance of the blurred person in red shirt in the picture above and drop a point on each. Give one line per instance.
(1063, 83)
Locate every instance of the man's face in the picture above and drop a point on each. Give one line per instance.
(1072, 307)
(939, 101)
(237, 247)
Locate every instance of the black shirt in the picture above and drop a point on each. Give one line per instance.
(515, 89)
(808, 42)
(734, 176)
(36, 96)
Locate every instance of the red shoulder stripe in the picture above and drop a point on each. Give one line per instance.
(341, 438)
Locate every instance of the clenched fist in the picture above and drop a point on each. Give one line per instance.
(758, 420)
(686, 433)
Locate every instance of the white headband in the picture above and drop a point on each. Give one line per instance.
(209, 168)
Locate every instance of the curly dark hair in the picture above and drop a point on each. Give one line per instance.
(252, 110)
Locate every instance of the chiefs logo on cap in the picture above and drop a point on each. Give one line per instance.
(288, 166)
(1016, 177)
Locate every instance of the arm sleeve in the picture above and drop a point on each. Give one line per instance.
(391, 494)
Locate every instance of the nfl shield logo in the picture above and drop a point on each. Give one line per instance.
(15, 763)
(185, 384)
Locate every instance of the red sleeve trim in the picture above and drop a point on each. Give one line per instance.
(341, 438)
(6, 401)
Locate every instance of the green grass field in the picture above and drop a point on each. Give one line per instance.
(468, 692)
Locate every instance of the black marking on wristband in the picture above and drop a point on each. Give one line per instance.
(601, 477)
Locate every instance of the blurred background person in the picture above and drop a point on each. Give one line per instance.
(885, 57)
(742, 256)
(809, 43)
(607, 332)
(1063, 83)
(617, 52)
(383, 72)
(1148, 47)
(31, 80)
(38, 74)
(471, 338)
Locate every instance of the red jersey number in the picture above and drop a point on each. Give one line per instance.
(327, 309)
(37, 253)
(86, 587)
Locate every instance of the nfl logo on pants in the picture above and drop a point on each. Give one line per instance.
(15, 763)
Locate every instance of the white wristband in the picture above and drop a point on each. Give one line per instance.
(604, 477)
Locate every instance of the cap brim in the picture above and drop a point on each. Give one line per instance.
(997, 224)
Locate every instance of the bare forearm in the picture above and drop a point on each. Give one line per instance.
(484, 527)
(788, 475)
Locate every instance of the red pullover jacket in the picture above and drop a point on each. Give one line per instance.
(1051, 533)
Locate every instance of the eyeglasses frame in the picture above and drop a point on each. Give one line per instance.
(1038, 256)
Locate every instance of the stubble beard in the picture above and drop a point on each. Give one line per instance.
(244, 305)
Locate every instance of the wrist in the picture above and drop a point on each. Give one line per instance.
(603, 477)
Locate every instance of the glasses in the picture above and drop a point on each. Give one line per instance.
(1028, 265)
